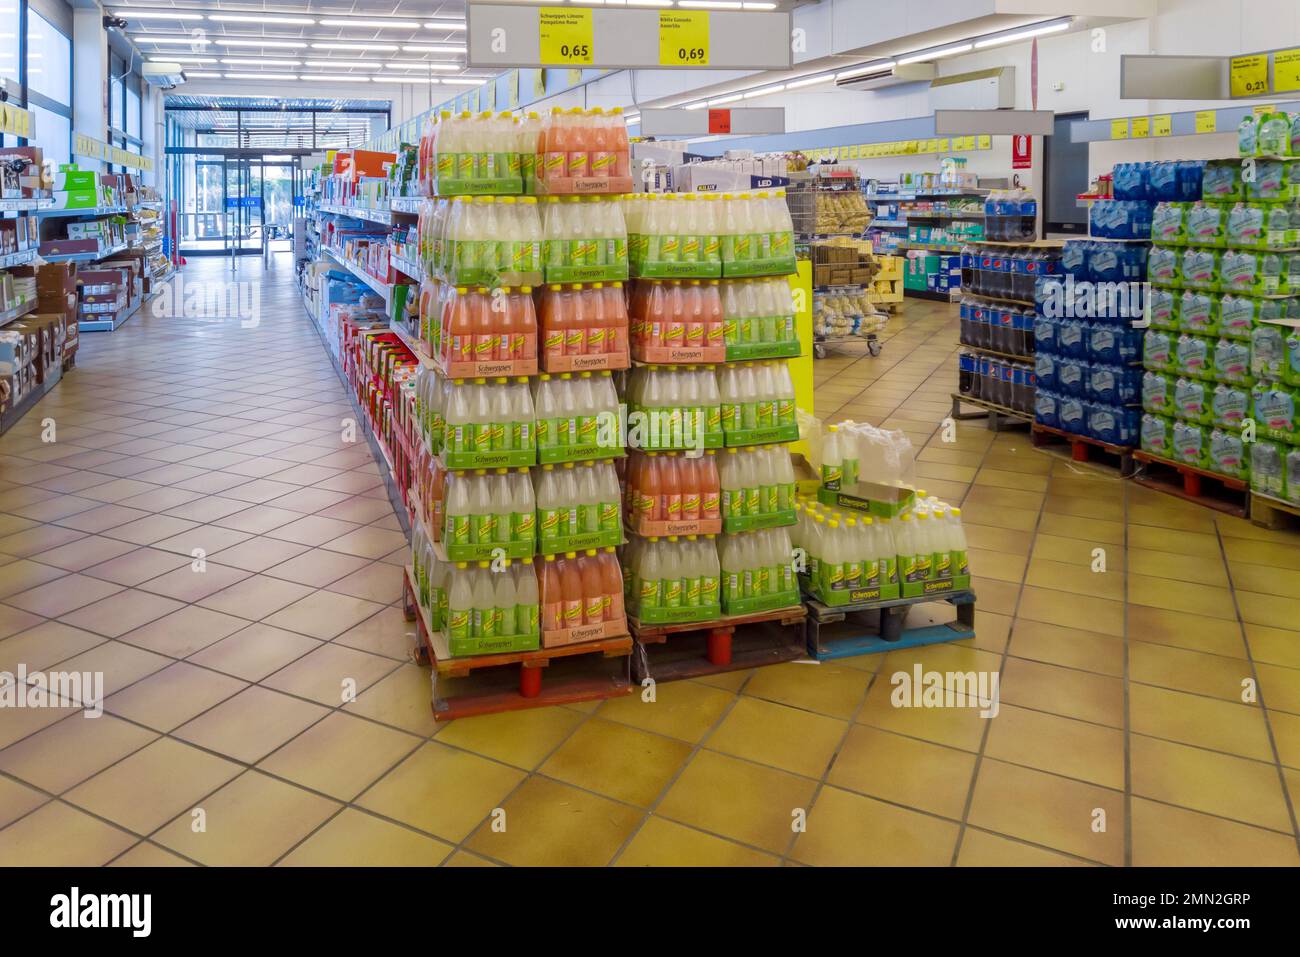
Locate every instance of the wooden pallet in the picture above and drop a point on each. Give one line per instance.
(511, 681)
(1221, 492)
(996, 414)
(1084, 448)
(734, 643)
(1273, 513)
(844, 631)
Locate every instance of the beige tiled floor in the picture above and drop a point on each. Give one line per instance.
(1123, 735)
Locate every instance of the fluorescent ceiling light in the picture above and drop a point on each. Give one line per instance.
(461, 81)
(406, 79)
(444, 25)
(712, 4)
(862, 70)
(809, 81)
(197, 41)
(764, 91)
(420, 65)
(1023, 34)
(334, 79)
(649, 3)
(379, 47)
(182, 59)
(718, 101)
(143, 14)
(237, 61)
(697, 106)
(201, 76)
(760, 6)
(935, 54)
(258, 18)
(331, 64)
(261, 76)
(377, 24)
(429, 49)
(282, 44)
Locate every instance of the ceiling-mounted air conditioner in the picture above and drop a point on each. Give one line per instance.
(878, 79)
(163, 74)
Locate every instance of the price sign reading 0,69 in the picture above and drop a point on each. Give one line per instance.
(683, 38)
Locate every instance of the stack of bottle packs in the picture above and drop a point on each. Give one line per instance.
(1219, 351)
(1087, 349)
(848, 557)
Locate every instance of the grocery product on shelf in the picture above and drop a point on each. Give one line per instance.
(757, 572)
(682, 321)
(484, 240)
(577, 417)
(584, 239)
(475, 331)
(578, 507)
(489, 611)
(672, 579)
(671, 493)
(1226, 277)
(676, 235)
(757, 488)
(466, 153)
(584, 327)
(580, 151)
(489, 424)
(757, 403)
(582, 597)
(1088, 378)
(1010, 216)
(485, 511)
(674, 407)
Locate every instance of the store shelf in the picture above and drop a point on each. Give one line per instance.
(382, 216)
(20, 258)
(17, 312)
(1005, 356)
(905, 195)
(415, 345)
(25, 205)
(958, 214)
(379, 286)
(936, 247)
(407, 205)
(407, 267)
(108, 325)
(11, 415)
(887, 224)
(87, 211)
(85, 257)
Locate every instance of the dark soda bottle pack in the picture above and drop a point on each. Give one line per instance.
(1007, 272)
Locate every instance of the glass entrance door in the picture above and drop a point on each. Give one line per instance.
(281, 189)
(245, 203)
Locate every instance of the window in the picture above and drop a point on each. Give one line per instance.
(49, 63)
(132, 113)
(54, 133)
(9, 46)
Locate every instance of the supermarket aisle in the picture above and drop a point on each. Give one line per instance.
(1120, 690)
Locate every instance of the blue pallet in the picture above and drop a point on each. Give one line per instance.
(870, 644)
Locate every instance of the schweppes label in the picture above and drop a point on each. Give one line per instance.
(729, 330)
(550, 522)
(524, 523)
(446, 164)
(458, 623)
(608, 515)
(690, 247)
(690, 503)
(714, 419)
(644, 503)
(710, 504)
(649, 593)
(708, 590)
(673, 592)
(942, 565)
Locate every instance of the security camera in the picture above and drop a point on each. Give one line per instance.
(111, 21)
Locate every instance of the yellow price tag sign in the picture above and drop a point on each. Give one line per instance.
(684, 38)
(1206, 121)
(1162, 125)
(985, 142)
(1119, 129)
(567, 36)
(1286, 71)
(1141, 127)
(941, 145)
(1248, 75)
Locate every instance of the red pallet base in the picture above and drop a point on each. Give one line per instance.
(714, 647)
(1222, 493)
(1083, 448)
(487, 684)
